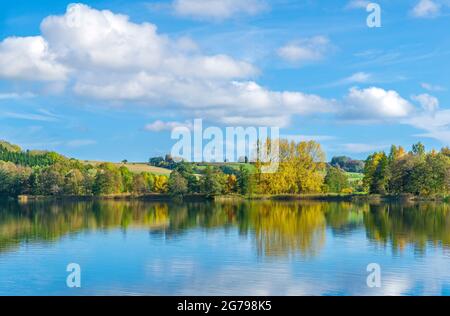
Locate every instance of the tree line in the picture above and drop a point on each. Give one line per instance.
(13, 153)
(84, 180)
(301, 169)
(416, 172)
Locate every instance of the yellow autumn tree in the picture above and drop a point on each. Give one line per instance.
(161, 184)
(231, 183)
(301, 168)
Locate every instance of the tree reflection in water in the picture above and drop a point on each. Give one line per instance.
(277, 228)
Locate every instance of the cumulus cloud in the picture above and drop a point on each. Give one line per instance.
(218, 9)
(430, 121)
(434, 122)
(435, 125)
(305, 50)
(245, 103)
(29, 58)
(104, 56)
(113, 59)
(86, 38)
(426, 9)
(375, 103)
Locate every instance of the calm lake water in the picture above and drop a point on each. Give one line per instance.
(229, 248)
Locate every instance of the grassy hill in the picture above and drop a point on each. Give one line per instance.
(135, 167)
(9, 147)
(354, 177)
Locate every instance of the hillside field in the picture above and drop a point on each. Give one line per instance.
(135, 167)
(354, 177)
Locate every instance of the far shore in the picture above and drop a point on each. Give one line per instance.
(331, 197)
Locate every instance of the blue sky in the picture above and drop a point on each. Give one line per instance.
(108, 79)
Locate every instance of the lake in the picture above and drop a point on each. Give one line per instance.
(224, 248)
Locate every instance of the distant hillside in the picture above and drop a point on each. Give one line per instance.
(13, 153)
(135, 167)
(10, 147)
(31, 158)
(348, 164)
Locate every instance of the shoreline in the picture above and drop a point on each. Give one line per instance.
(320, 197)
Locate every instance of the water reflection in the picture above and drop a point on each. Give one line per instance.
(275, 228)
(413, 224)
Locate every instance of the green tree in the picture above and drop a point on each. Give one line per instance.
(127, 179)
(52, 180)
(418, 149)
(376, 173)
(139, 184)
(108, 180)
(149, 179)
(213, 182)
(336, 180)
(14, 180)
(178, 185)
(74, 183)
(186, 171)
(244, 181)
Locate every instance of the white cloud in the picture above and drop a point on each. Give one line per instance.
(88, 37)
(375, 103)
(435, 125)
(434, 122)
(357, 4)
(305, 50)
(159, 125)
(110, 58)
(359, 77)
(29, 58)
(428, 102)
(113, 59)
(426, 9)
(431, 87)
(153, 69)
(85, 37)
(218, 9)
(441, 135)
(245, 103)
